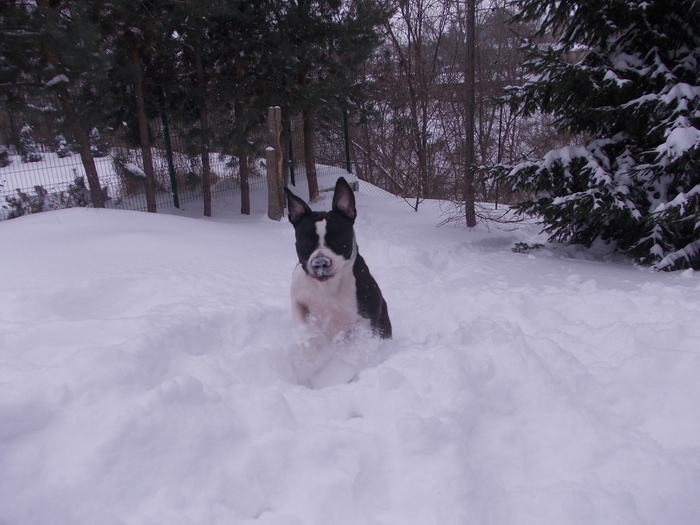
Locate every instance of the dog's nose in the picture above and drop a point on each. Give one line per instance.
(321, 262)
(321, 266)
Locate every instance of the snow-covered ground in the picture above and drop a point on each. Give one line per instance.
(52, 172)
(149, 374)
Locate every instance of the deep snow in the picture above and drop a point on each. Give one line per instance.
(149, 374)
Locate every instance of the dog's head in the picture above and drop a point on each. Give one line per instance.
(325, 241)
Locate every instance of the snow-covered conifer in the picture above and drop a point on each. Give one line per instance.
(63, 148)
(29, 151)
(625, 74)
(5, 159)
(98, 146)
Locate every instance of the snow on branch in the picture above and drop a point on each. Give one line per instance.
(687, 253)
(58, 79)
(678, 142)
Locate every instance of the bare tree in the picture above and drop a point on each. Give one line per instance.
(469, 114)
(436, 121)
(416, 34)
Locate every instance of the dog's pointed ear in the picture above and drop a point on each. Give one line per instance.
(344, 199)
(297, 208)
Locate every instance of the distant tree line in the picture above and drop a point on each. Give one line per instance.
(585, 113)
(108, 64)
(429, 102)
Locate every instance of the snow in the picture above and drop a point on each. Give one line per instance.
(135, 170)
(58, 79)
(150, 373)
(679, 141)
(53, 172)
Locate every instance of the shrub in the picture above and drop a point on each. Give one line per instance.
(5, 159)
(63, 147)
(76, 196)
(28, 149)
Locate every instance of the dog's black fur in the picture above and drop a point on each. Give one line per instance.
(332, 282)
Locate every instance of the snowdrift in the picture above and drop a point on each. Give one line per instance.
(149, 374)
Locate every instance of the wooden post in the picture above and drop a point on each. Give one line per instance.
(273, 156)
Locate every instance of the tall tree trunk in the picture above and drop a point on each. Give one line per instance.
(469, 113)
(245, 179)
(204, 124)
(74, 119)
(275, 183)
(168, 148)
(86, 158)
(144, 133)
(242, 143)
(310, 153)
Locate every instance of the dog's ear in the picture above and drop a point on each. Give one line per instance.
(297, 208)
(344, 199)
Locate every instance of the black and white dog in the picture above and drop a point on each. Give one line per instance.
(332, 287)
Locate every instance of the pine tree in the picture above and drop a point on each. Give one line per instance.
(98, 146)
(63, 148)
(626, 75)
(320, 46)
(17, 54)
(28, 149)
(70, 70)
(134, 33)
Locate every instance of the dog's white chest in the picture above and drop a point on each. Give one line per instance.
(331, 306)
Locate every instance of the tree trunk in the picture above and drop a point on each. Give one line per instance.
(243, 170)
(469, 84)
(168, 149)
(144, 133)
(242, 141)
(310, 153)
(273, 153)
(87, 160)
(245, 179)
(274, 211)
(74, 120)
(204, 124)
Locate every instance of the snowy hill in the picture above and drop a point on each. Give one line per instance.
(149, 375)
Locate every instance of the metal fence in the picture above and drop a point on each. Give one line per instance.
(52, 176)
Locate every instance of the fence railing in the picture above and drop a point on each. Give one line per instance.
(54, 176)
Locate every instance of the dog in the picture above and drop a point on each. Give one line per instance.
(332, 288)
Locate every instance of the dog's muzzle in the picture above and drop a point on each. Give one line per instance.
(321, 267)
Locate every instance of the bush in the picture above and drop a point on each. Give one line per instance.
(63, 147)
(76, 196)
(28, 149)
(98, 146)
(5, 159)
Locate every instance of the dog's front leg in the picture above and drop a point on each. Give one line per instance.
(300, 312)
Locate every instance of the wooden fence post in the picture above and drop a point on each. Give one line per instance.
(273, 157)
